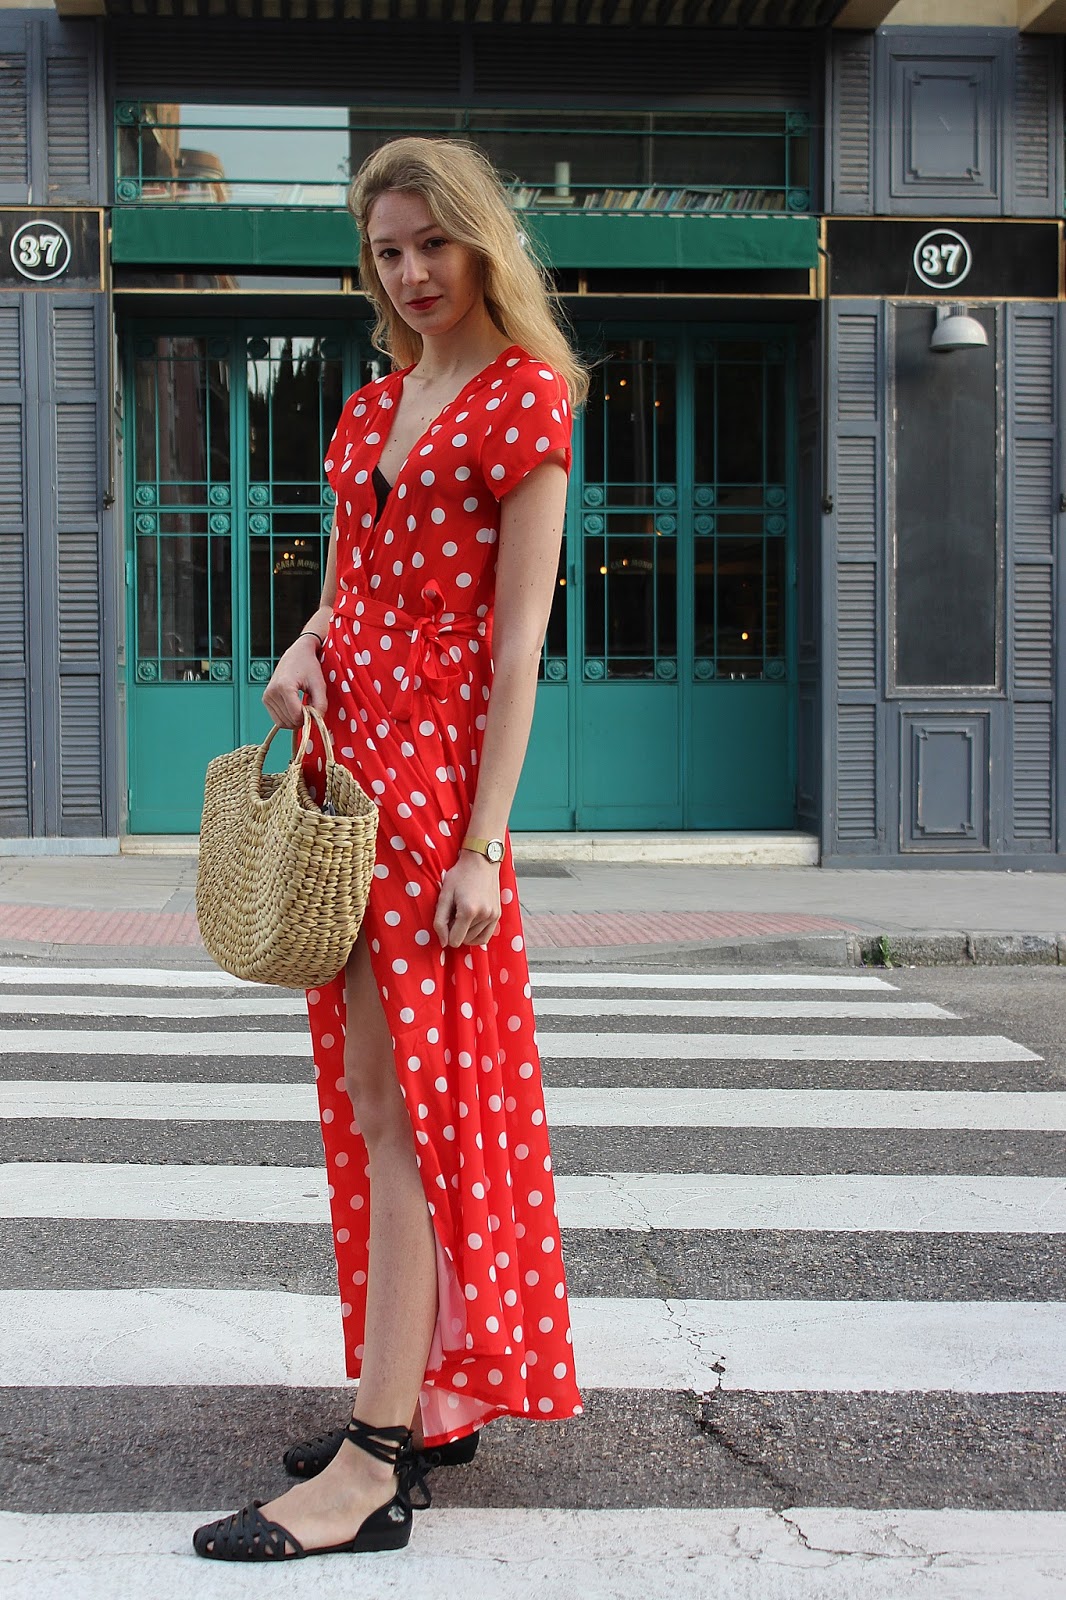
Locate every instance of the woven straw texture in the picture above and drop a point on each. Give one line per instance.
(282, 887)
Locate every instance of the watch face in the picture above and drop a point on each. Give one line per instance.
(494, 850)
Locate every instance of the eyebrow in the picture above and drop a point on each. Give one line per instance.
(386, 238)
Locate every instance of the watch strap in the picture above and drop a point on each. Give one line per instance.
(480, 846)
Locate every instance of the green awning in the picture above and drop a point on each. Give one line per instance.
(644, 239)
(235, 236)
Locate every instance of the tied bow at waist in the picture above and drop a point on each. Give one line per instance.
(431, 633)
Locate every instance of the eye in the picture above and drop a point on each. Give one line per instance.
(387, 254)
(435, 244)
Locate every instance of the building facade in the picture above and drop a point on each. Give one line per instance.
(811, 577)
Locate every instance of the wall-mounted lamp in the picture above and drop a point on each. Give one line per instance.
(956, 330)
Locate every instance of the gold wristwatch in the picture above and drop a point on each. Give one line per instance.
(491, 848)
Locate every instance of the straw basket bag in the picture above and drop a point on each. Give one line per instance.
(282, 884)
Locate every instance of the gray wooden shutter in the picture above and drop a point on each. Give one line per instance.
(79, 392)
(857, 428)
(852, 126)
(71, 124)
(1031, 519)
(14, 113)
(1033, 166)
(14, 527)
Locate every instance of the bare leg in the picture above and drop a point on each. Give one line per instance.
(401, 1280)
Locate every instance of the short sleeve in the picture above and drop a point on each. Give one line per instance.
(531, 422)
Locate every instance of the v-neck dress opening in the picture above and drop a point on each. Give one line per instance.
(408, 667)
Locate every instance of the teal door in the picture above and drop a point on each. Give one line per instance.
(667, 693)
(229, 518)
(669, 680)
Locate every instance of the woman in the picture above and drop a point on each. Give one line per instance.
(450, 476)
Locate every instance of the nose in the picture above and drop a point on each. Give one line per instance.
(414, 270)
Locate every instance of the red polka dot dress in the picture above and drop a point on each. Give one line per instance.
(408, 667)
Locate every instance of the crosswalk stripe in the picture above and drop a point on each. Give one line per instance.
(622, 1107)
(627, 1200)
(544, 979)
(553, 1046)
(799, 1553)
(208, 1337)
(211, 978)
(607, 1009)
(768, 1010)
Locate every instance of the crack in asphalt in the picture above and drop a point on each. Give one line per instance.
(784, 1492)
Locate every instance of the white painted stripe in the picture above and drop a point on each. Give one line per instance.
(119, 1005)
(212, 978)
(56, 973)
(607, 1008)
(593, 979)
(833, 1203)
(108, 1338)
(296, 1045)
(782, 1010)
(576, 1108)
(639, 1553)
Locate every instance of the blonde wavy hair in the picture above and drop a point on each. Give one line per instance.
(467, 199)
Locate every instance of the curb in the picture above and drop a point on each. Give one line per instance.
(954, 949)
(948, 948)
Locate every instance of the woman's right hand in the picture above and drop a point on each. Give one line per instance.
(296, 674)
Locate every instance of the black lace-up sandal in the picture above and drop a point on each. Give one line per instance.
(308, 1460)
(249, 1536)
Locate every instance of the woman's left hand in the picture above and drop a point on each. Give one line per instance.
(468, 911)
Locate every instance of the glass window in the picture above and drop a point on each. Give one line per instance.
(706, 158)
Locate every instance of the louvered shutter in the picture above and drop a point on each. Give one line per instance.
(857, 411)
(1034, 168)
(71, 124)
(852, 126)
(78, 394)
(14, 112)
(1031, 517)
(14, 520)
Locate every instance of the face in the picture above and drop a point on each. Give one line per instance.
(433, 282)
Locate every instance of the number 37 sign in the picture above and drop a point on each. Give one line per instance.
(50, 250)
(942, 258)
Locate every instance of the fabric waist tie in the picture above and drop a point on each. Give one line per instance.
(430, 631)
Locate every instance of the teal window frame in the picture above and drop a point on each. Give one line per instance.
(611, 191)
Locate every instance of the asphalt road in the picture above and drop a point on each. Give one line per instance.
(830, 1286)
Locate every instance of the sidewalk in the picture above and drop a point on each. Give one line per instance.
(81, 907)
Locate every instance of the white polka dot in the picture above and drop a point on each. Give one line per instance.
(437, 515)
(494, 1375)
(458, 440)
(428, 477)
(498, 473)
(543, 442)
(511, 435)
(474, 1241)
(449, 548)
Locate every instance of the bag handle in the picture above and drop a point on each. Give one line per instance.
(300, 749)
